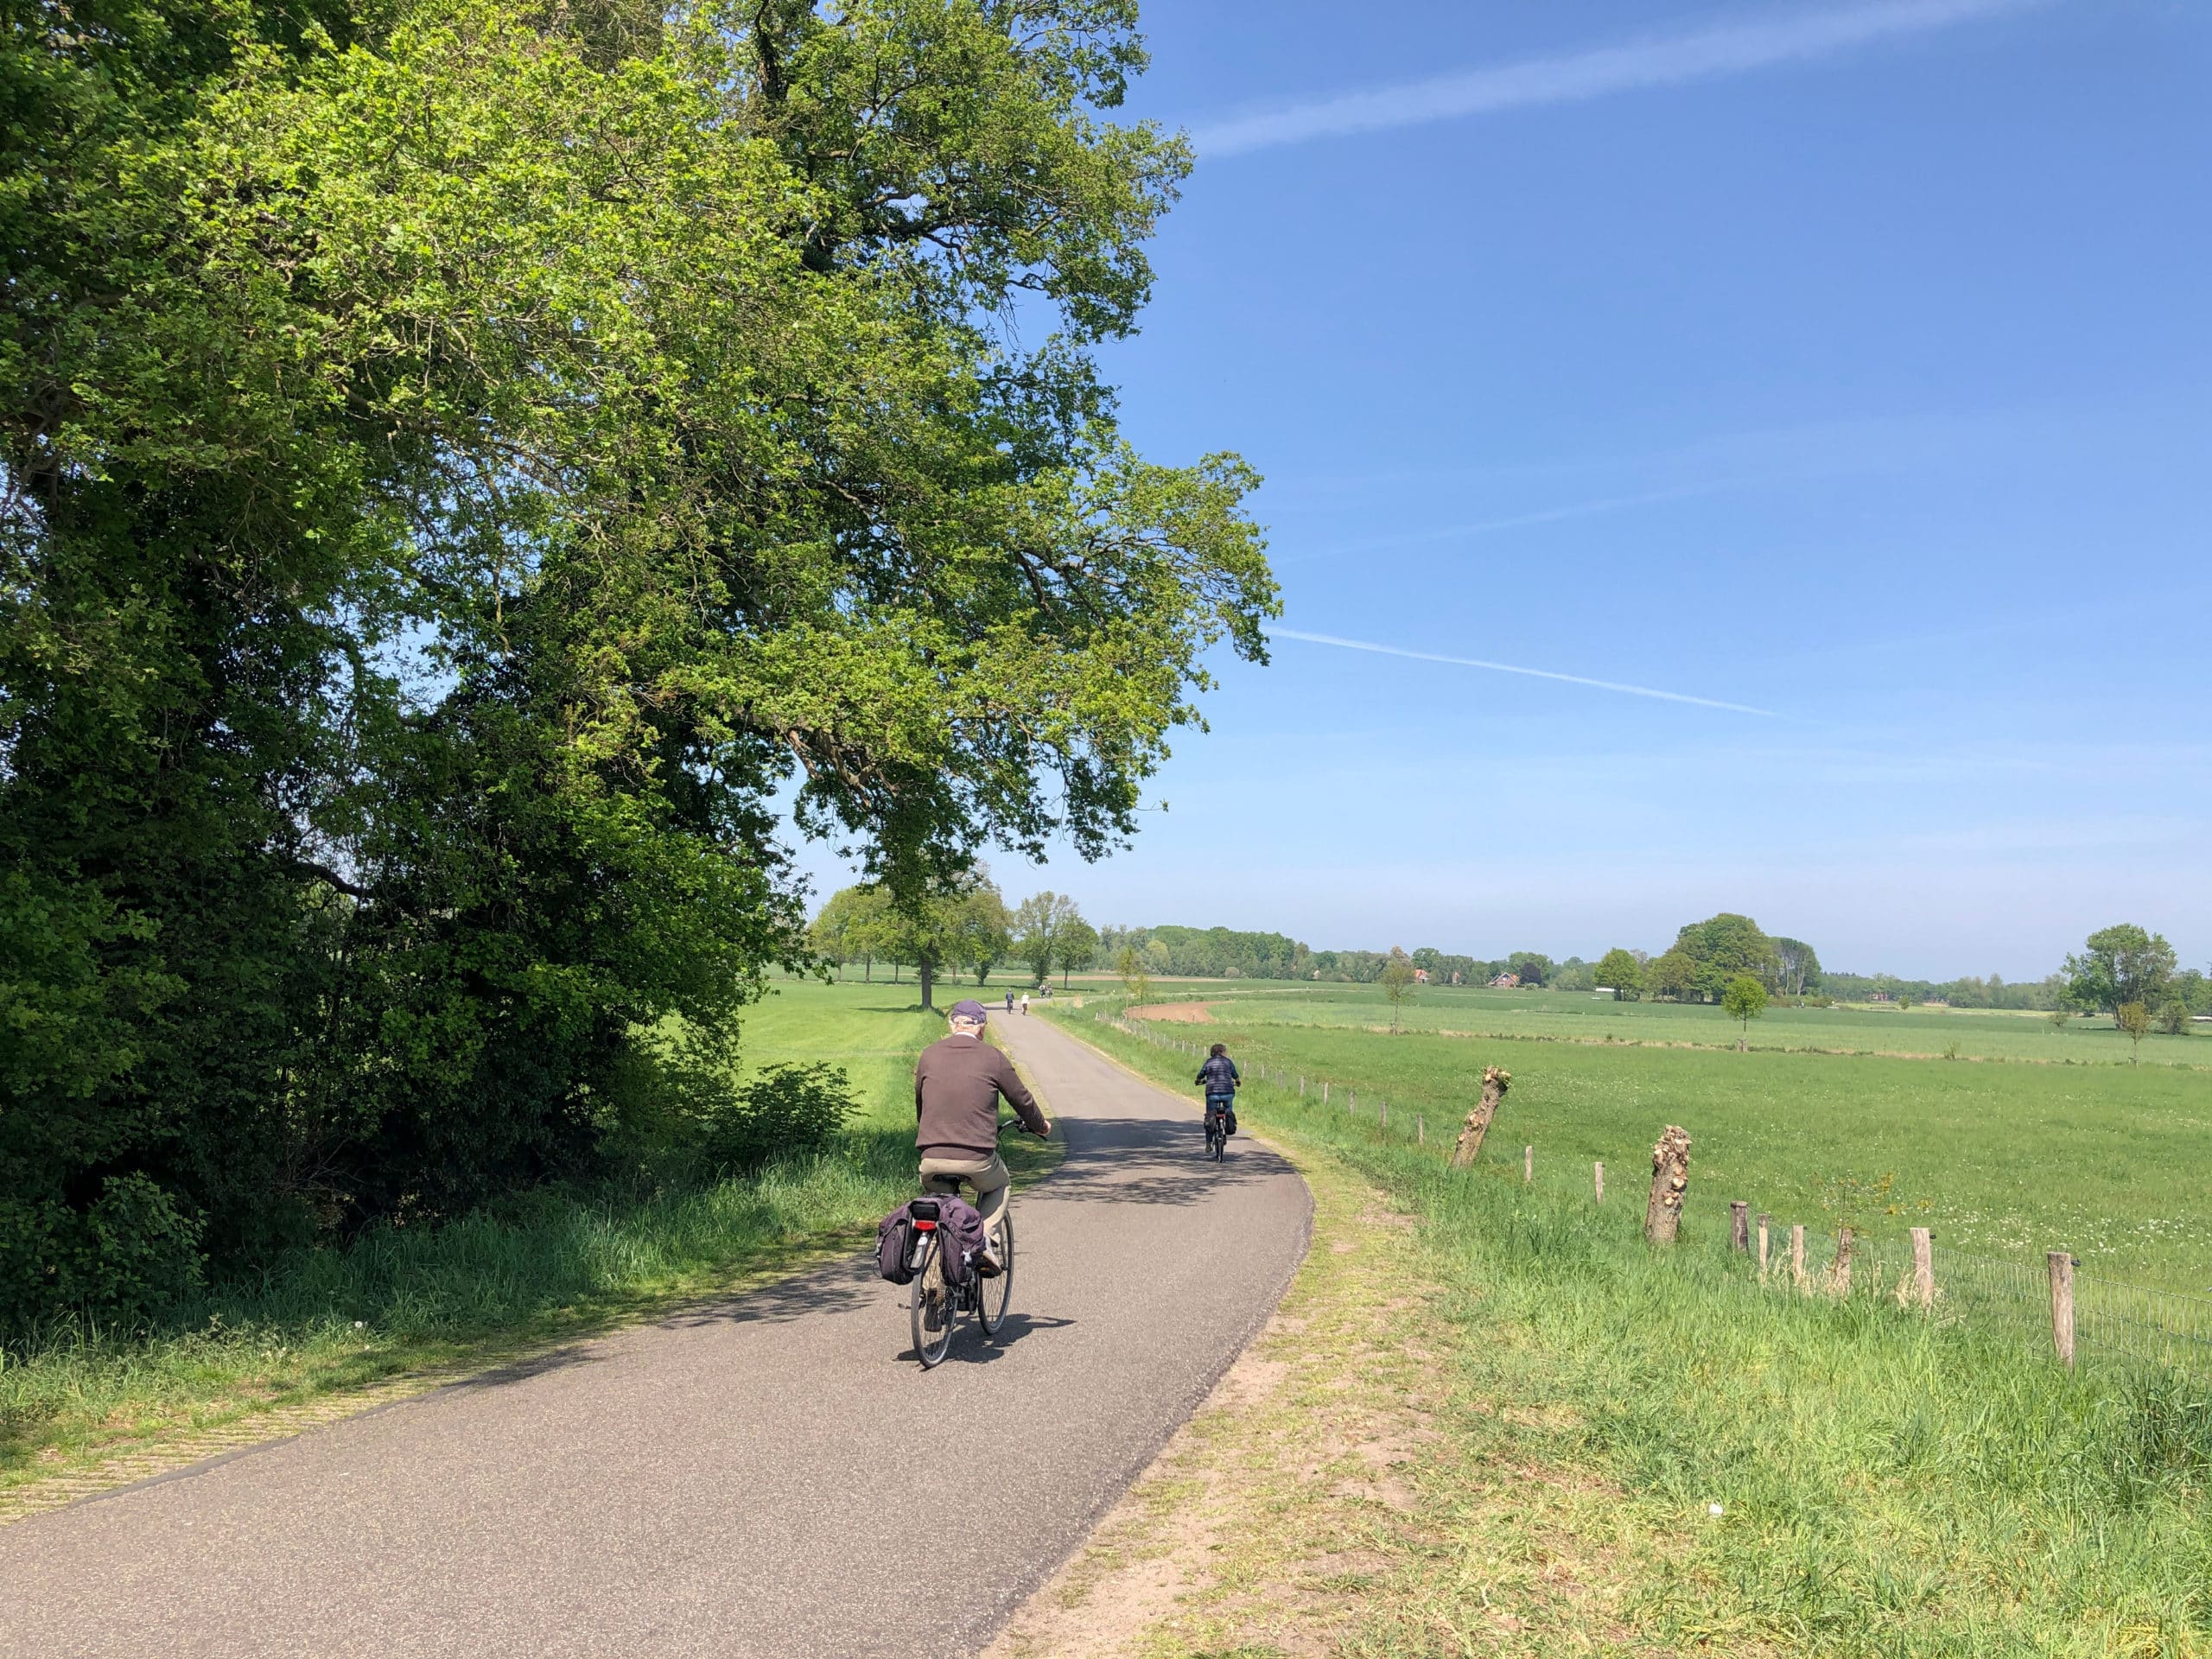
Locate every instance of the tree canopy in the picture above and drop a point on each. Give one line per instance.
(2118, 966)
(466, 465)
(1619, 969)
(1721, 947)
(1042, 924)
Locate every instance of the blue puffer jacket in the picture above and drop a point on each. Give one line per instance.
(1220, 1075)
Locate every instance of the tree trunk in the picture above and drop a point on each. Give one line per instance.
(1496, 1082)
(1670, 1180)
(928, 971)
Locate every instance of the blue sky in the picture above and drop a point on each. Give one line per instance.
(1848, 362)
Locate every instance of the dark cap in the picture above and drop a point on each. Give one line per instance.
(969, 1008)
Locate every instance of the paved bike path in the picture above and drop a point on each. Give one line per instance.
(773, 1475)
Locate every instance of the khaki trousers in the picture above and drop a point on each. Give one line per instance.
(993, 1185)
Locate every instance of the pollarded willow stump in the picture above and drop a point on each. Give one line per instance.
(1670, 1179)
(1496, 1081)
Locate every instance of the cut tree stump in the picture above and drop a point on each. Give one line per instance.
(1496, 1081)
(1670, 1180)
(1839, 1274)
(1739, 1226)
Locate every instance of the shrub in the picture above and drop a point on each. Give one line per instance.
(788, 1110)
(127, 1254)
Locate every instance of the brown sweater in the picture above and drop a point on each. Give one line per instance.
(958, 1084)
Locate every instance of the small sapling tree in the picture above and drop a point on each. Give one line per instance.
(2133, 1019)
(1135, 982)
(1744, 1000)
(1396, 980)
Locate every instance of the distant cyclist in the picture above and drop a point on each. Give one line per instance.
(1220, 1075)
(958, 1083)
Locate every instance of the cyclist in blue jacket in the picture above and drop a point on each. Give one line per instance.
(1220, 1075)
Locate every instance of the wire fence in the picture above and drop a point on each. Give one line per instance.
(2048, 1305)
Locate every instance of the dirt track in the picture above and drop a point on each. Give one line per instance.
(1174, 1014)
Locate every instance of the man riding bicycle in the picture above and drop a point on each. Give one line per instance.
(958, 1083)
(1220, 1075)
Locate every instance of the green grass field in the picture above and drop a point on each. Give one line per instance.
(1919, 1032)
(1756, 1471)
(2001, 1158)
(544, 1266)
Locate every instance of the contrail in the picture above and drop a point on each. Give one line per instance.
(1510, 668)
(1661, 60)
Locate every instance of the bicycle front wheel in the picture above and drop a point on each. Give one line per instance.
(995, 1295)
(929, 1311)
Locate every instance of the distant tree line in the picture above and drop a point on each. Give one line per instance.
(958, 926)
(1227, 953)
(2120, 969)
(1210, 952)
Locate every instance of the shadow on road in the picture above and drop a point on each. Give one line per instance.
(972, 1347)
(522, 1370)
(1142, 1161)
(834, 1287)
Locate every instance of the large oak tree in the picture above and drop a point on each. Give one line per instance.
(465, 466)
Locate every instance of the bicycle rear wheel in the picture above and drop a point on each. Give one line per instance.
(995, 1296)
(931, 1300)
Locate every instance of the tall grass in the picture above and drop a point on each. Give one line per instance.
(549, 1265)
(1888, 1485)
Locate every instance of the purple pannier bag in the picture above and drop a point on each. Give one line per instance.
(894, 1240)
(957, 1221)
(961, 1227)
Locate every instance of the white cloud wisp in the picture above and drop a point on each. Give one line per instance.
(1510, 668)
(1661, 60)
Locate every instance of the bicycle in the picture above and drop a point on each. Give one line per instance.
(1217, 1133)
(933, 1307)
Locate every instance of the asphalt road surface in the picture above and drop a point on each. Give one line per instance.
(773, 1475)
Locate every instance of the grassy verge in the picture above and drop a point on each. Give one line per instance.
(333, 1331)
(1885, 1485)
(1325, 1501)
